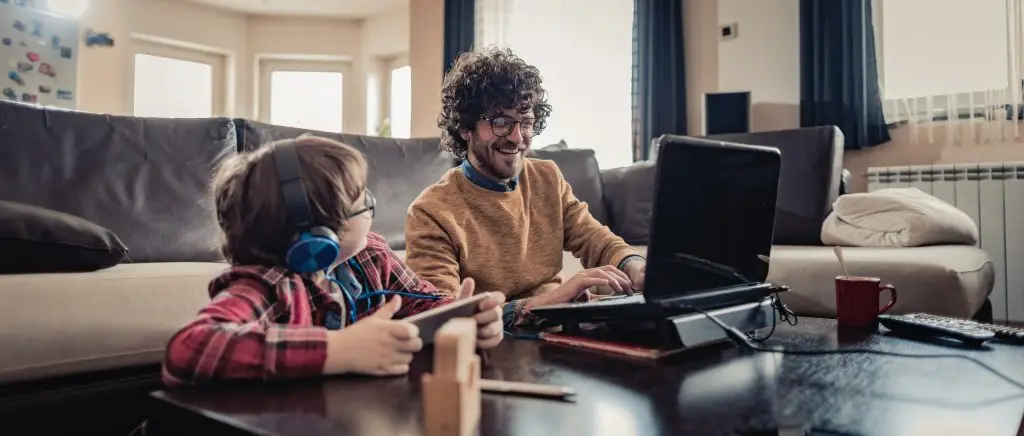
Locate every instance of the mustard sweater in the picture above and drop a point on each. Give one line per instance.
(509, 242)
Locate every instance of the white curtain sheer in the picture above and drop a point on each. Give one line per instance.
(952, 69)
(584, 51)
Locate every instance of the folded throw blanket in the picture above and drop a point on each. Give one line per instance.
(896, 217)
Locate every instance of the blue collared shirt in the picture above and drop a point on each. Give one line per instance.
(482, 181)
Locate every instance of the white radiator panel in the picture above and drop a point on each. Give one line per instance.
(992, 194)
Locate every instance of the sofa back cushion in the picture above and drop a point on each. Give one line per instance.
(812, 165)
(145, 179)
(399, 169)
(629, 195)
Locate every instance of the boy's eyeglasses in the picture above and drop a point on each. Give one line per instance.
(369, 205)
(502, 126)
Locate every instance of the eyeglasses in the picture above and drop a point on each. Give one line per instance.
(369, 205)
(502, 126)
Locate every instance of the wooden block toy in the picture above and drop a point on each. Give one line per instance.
(451, 394)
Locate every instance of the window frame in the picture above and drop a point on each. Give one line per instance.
(216, 61)
(349, 105)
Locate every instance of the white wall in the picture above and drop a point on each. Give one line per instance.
(103, 71)
(764, 58)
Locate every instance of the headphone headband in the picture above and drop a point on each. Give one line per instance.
(293, 191)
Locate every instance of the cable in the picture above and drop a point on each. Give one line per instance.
(744, 340)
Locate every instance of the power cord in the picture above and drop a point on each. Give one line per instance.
(745, 340)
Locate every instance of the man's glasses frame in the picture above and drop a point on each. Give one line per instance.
(503, 131)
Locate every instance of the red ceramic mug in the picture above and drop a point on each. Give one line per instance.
(857, 300)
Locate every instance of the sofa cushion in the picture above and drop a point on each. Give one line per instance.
(145, 179)
(35, 240)
(399, 169)
(629, 195)
(950, 280)
(580, 169)
(115, 318)
(812, 160)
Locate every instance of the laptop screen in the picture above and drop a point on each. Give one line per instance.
(714, 214)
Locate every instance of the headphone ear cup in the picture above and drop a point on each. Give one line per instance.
(313, 251)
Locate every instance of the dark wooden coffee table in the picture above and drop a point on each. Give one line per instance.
(716, 390)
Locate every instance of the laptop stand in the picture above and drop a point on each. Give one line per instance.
(690, 330)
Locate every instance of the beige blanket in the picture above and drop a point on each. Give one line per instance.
(896, 217)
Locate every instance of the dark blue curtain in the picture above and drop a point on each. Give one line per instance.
(839, 71)
(459, 29)
(659, 78)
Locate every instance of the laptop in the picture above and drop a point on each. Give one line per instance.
(711, 231)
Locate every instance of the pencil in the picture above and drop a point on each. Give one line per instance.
(527, 389)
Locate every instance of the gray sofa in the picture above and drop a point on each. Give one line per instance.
(82, 348)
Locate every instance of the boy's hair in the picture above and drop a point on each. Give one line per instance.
(250, 205)
(483, 83)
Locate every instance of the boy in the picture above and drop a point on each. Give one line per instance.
(310, 291)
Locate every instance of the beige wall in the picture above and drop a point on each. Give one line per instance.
(764, 59)
(241, 41)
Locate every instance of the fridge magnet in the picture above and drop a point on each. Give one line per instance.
(5, 1)
(13, 75)
(7, 41)
(65, 52)
(22, 43)
(46, 69)
(19, 26)
(10, 94)
(28, 98)
(43, 89)
(25, 67)
(37, 28)
(55, 42)
(63, 94)
(95, 38)
(32, 56)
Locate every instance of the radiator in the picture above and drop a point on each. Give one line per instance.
(993, 195)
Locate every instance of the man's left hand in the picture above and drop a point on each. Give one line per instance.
(636, 270)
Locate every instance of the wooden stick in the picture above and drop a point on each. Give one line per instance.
(529, 389)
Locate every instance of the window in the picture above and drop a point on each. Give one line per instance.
(401, 102)
(306, 95)
(955, 57)
(589, 85)
(172, 88)
(306, 99)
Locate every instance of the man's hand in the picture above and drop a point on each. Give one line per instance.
(579, 283)
(490, 329)
(636, 270)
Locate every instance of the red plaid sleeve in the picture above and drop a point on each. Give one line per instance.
(235, 337)
(387, 271)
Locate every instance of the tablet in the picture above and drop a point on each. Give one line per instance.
(430, 321)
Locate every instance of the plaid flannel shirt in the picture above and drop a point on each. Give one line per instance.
(268, 323)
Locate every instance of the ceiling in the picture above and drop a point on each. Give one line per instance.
(322, 8)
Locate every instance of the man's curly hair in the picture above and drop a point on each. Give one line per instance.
(484, 83)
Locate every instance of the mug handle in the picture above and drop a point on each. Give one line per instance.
(892, 297)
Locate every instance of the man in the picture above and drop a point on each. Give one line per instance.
(501, 218)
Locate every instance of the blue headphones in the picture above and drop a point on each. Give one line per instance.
(315, 247)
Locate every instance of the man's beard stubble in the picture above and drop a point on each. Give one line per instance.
(483, 152)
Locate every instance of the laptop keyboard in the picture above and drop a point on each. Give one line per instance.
(608, 301)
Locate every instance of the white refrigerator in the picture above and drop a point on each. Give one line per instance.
(39, 51)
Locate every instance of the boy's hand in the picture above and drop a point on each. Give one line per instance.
(490, 329)
(375, 345)
(580, 282)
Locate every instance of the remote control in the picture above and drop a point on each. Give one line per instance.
(946, 328)
(1004, 333)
